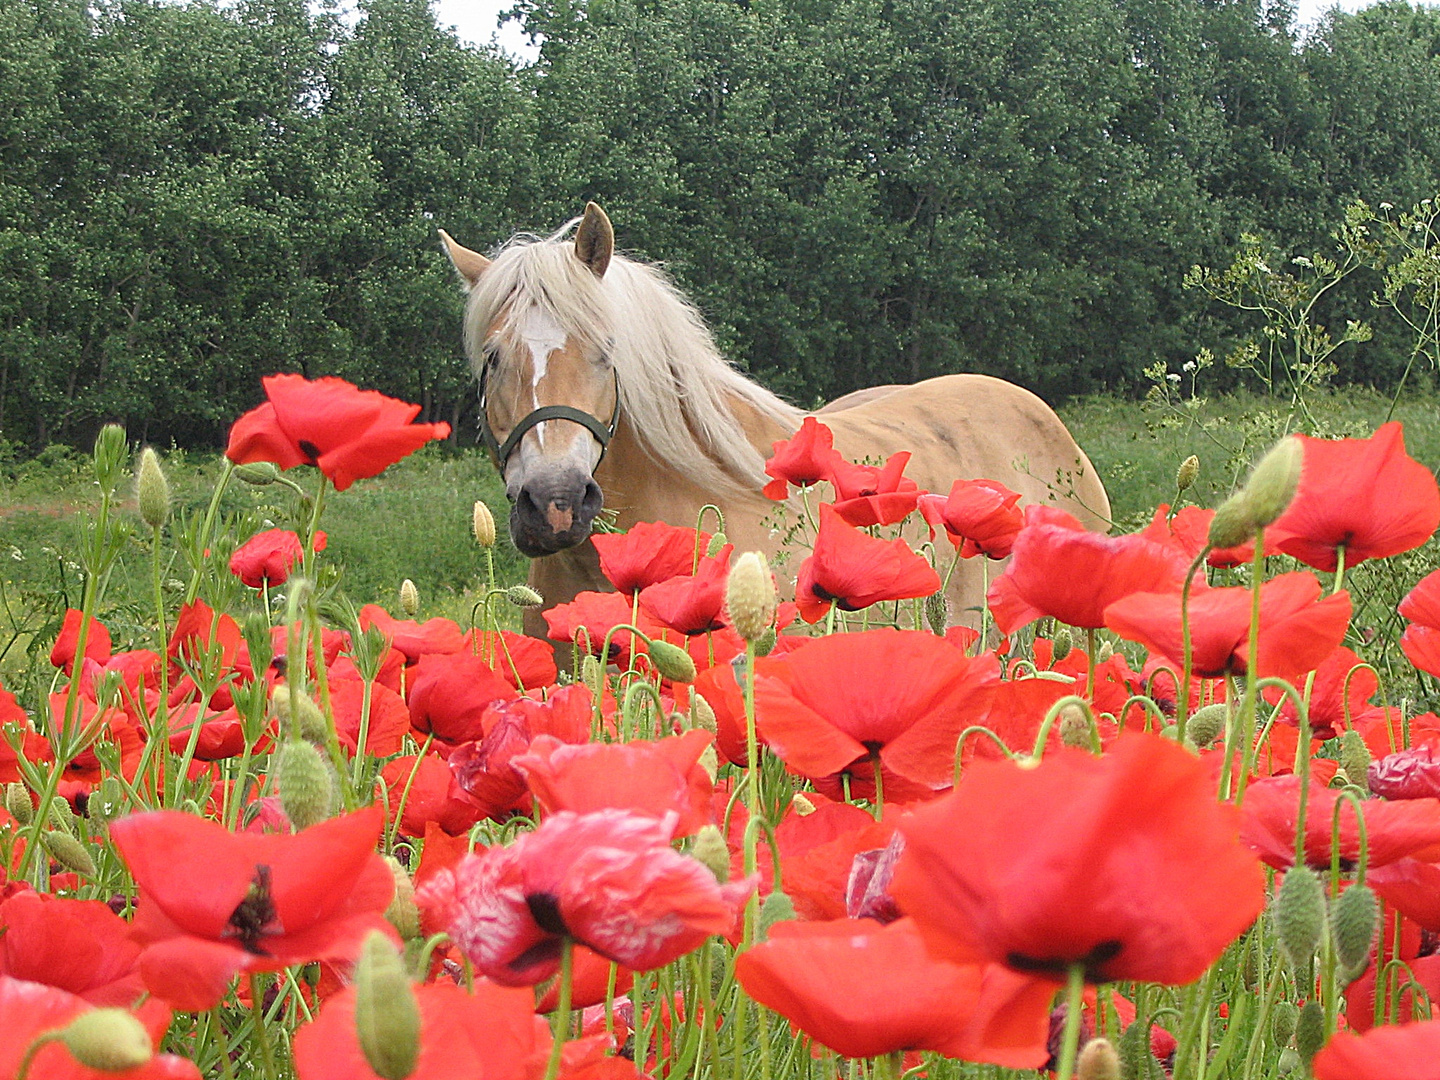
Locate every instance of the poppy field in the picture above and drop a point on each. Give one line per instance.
(1148, 811)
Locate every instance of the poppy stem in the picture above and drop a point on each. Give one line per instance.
(752, 788)
(33, 1049)
(562, 1007)
(202, 545)
(262, 1033)
(1187, 660)
(1074, 1015)
(1339, 569)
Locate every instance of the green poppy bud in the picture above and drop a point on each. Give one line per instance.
(1310, 1031)
(937, 613)
(387, 1016)
(802, 805)
(152, 490)
(671, 661)
(701, 713)
(409, 598)
(61, 816)
(258, 473)
(482, 524)
(750, 595)
(717, 542)
(402, 912)
(777, 907)
(711, 850)
(68, 852)
(1283, 1015)
(17, 801)
(1207, 724)
(766, 641)
(306, 789)
(1289, 1062)
(1353, 920)
(1299, 914)
(523, 596)
(110, 1040)
(1098, 1060)
(1272, 483)
(298, 712)
(1187, 472)
(1075, 727)
(1355, 760)
(110, 455)
(1061, 644)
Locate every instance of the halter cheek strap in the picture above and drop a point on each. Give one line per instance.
(500, 452)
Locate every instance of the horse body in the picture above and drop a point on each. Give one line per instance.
(598, 334)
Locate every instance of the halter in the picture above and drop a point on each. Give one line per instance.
(500, 452)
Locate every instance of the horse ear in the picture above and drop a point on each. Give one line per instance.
(471, 264)
(595, 240)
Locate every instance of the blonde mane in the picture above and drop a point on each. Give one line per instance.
(675, 387)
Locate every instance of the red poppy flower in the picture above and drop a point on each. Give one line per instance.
(97, 642)
(221, 734)
(652, 778)
(80, 946)
(864, 990)
(1189, 531)
(609, 880)
(213, 903)
(589, 618)
(431, 797)
(411, 638)
(650, 552)
(268, 557)
(449, 693)
(492, 1032)
(389, 718)
(1124, 863)
(1366, 495)
(691, 605)
(1393, 1052)
(1393, 830)
(201, 631)
(1421, 640)
(1298, 629)
(901, 695)
(854, 570)
(866, 495)
(1339, 695)
(348, 433)
(980, 517)
(1411, 887)
(30, 1009)
(1057, 568)
(485, 768)
(526, 662)
(806, 458)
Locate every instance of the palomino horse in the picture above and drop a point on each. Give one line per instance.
(600, 386)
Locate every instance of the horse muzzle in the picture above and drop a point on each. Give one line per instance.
(553, 511)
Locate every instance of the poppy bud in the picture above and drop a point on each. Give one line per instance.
(1282, 1022)
(1061, 644)
(387, 1016)
(17, 801)
(298, 711)
(1231, 526)
(152, 490)
(1355, 759)
(409, 598)
(937, 613)
(717, 542)
(765, 642)
(1289, 1062)
(109, 455)
(1310, 1031)
(402, 912)
(802, 805)
(61, 816)
(710, 762)
(1207, 724)
(750, 596)
(1353, 919)
(1105, 652)
(306, 790)
(775, 908)
(711, 850)
(1187, 472)
(1272, 482)
(258, 473)
(482, 524)
(1074, 727)
(106, 801)
(671, 661)
(1098, 1060)
(68, 852)
(110, 1040)
(592, 674)
(256, 631)
(1299, 914)
(702, 715)
(524, 596)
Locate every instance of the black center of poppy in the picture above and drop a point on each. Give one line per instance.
(545, 910)
(310, 450)
(253, 915)
(1094, 962)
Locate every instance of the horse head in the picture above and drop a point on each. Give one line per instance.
(536, 333)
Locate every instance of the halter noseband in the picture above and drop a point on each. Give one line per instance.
(500, 452)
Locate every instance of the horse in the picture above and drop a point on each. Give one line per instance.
(601, 386)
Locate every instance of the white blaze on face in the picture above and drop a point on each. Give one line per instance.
(542, 335)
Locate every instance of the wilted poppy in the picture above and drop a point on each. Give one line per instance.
(1393, 830)
(854, 570)
(806, 458)
(348, 433)
(1365, 495)
(1393, 1052)
(903, 696)
(864, 990)
(213, 903)
(268, 557)
(1060, 569)
(650, 552)
(867, 495)
(1297, 628)
(609, 880)
(1124, 864)
(1413, 773)
(980, 517)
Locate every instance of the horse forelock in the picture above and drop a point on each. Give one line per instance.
(676, 390)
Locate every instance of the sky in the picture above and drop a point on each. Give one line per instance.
(474, 20)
